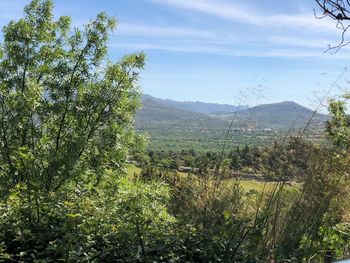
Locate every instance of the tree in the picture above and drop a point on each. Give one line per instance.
(338, 10)
(236, 161)
(338, 126)
(64, 107)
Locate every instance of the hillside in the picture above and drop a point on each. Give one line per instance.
(158, 115)
(173, 129)
(170, 128)
(276, 116)
(197, 106)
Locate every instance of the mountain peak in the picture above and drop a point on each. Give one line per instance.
(197, 106)
(279, 115)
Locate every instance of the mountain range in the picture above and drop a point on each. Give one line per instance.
(171, 125)
(196, 106)
(158, 112)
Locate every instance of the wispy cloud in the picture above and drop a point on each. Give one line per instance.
(246, 15)
(261, 34)
(232, 51)
(197, 41)
(298, 41)
(127, 29)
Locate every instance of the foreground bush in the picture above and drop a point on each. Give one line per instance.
(119, 219)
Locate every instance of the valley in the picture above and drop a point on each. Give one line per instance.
(172, 125)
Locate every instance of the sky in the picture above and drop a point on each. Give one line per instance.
(222, 51)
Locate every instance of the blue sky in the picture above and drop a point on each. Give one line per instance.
(224, 51)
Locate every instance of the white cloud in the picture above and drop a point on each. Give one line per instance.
(270, 43)
(261, 35)
(126, 29)
(297, 41)
(242, 14)
(275, 35)
(234, 51)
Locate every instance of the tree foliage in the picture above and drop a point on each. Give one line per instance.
(64, 107)
(338, 126)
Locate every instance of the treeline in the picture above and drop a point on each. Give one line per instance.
(268, 161)
(307, 222)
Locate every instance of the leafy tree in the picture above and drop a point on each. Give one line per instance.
(139, 213)
(236, 162)
(338, 126)
(64, 107)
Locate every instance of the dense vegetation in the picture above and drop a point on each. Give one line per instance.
(265, 163)
(66, 133)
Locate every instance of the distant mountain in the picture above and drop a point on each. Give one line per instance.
(171, 128)
(277, 115)
(199, 107)
(155, 114)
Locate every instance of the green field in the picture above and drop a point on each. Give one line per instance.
(132, 170)
(176, 139)
(247, 185)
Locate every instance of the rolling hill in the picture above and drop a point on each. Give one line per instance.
(155, 114)
(276, 116)
(170, 128)
(197, 106)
